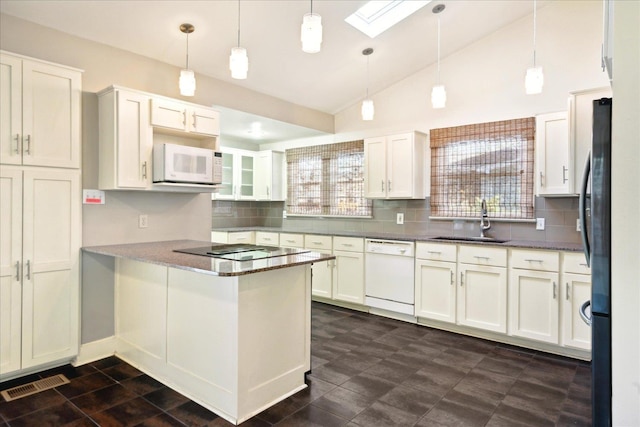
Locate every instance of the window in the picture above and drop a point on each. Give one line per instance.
(327, 180)
(491, 161)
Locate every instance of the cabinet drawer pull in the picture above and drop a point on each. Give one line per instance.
(28, 268)
(461, 278)
(268, 239)
(434, 252)
(317, 243)
(241, 238)
(17, 143)
(481, 257)
(554, 290)
(534, 260)
(567, 291)
(28, 150)
(17, 271)
(290, 241)
(349, 245)
(584, 264)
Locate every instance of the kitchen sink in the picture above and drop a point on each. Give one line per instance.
(470, 239)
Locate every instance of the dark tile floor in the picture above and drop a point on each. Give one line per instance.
(367, 371)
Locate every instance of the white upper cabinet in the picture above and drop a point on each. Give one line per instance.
(126, 142)
(394, 166)
(580, 127)
(269, 176)
(554, 176)
(184, 117)
(238, 171)
(40, 113)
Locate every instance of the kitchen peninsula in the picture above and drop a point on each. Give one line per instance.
(232, 335)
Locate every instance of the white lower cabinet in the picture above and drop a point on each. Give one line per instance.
(576, 281)
(267, 238)
(233, 237)
(482, 290)
(322, 279)
(39, 267)
(436, 278)
(348, 274)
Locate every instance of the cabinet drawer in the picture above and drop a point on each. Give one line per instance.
(241, 237)
(292, 240)
(267, 238)
(574, 262)
(483, 255)
(349, 244)
(535, 260)
(312, 241)
(436, 252)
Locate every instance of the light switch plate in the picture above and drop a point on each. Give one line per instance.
(578, 225)
(143, 221)
(400, 218)
(539, 223)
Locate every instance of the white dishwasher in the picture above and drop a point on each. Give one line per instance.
(389, 275)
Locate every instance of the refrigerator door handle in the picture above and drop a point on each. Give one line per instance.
(583, 210)
(583, 312)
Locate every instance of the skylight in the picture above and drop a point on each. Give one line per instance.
(376, 16)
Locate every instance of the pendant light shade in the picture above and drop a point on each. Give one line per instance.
(239, 63)
(238, 60)
(311, 32)
(534, 79)
(187, 81)
(367, 109)
(438, 93)
(367, 105)
(438, 96)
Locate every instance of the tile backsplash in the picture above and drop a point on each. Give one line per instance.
(560, 216)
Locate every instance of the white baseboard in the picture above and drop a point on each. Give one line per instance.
(96, 350)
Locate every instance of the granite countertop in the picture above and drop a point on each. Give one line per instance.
(162, 253)
(528, 244)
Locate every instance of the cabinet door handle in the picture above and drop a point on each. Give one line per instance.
(554, 290)
(461, 278)
(195, 125)
(541, 179)
(28, 150)
(267, 191)
(28, 268)
(144, 170)
(184, 118)
(451, 277)
(17, 271)
(389, 185)
(382, 185)
(17, 143)
(567, 291)
(564, 174)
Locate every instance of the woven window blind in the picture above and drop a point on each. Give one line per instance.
(327, 180)
(492, 161)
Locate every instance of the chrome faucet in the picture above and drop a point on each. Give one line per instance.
(483, 216)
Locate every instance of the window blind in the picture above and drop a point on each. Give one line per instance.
(492, 161)
(327, 180)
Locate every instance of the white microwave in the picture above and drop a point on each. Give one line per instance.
(188, 165)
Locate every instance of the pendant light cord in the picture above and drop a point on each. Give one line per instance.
(438, 50)
(311, 7)
(238, 23)
(534, 32)
(187, 51)
(367, 76)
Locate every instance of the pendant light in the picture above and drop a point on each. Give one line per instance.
(238, 60)
(438, 93)
(311, 32)
(534, 78)
(367, 104)
(187, 80)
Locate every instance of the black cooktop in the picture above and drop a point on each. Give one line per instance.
(241, 252)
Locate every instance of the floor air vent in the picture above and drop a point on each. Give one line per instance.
(34, 387)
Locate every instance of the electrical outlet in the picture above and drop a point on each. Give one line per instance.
(143, 221)
(284, 214)
(578, 225)
(400, 218)
(539, 223)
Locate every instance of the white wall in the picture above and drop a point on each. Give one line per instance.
(625, 213)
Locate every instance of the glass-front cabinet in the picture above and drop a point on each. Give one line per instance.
(237, 175)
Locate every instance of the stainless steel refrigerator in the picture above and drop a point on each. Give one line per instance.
(595, 218)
